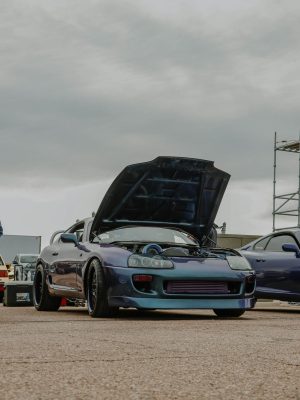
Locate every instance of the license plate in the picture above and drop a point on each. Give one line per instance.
(23, 297)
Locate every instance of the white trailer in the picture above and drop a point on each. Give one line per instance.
(10, 245)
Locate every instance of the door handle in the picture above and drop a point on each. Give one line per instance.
(55, 254)
(260, 260)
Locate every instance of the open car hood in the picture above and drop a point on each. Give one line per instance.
(171, 192)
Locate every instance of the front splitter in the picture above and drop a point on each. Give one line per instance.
(184, 304)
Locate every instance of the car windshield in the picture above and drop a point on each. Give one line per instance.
(148, 234)
(28, 259)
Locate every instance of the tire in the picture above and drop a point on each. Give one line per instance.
(41, 298)
(230, 313)
(97, 301)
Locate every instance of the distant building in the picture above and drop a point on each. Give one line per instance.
(233, 241)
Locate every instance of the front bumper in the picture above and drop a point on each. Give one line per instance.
(184, 304)
(123, 293)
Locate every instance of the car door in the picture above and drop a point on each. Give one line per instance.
(277, 271)
(67, 260)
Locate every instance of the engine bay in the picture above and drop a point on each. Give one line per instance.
(173, 250)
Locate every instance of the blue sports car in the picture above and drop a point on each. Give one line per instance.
(149, 246)
(276, 260)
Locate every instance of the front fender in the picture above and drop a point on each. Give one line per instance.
(109, 257)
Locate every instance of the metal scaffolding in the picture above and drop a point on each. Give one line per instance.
(282, 203)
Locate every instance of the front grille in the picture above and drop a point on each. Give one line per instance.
(201, 287)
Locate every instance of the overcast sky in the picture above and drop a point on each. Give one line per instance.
(88, 87)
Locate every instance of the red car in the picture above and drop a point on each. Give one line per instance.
(3, 277)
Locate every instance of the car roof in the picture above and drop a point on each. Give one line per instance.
(277, 232)
(27, 254)
(285, 230)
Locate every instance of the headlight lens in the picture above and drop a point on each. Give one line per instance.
(238, 263)
(143, 261)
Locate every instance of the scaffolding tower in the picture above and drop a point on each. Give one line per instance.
(286, 204)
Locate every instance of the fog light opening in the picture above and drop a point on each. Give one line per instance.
(250, 283)
(142, 283)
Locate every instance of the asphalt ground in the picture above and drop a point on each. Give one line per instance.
(154, 355)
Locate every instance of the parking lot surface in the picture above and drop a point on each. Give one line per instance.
(153, 355)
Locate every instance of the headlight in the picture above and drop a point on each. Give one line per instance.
(139, 261)
(238, 263)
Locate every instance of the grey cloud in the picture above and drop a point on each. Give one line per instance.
(88, 90)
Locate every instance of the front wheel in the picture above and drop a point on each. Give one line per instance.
(41, 298)
(97, 300)
(230, 313)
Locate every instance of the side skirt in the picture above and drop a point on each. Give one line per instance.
(65, 291)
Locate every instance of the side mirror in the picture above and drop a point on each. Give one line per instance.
(291, 248)
(69, 238)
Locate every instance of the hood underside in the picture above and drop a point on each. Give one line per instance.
(177, 192)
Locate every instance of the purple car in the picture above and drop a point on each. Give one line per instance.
(276, 261)
(149, 247)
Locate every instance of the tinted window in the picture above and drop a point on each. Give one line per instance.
(297, 234)
(77, 230)
(28, 259)
(275, 244)
(261, 244)
(1, 261)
